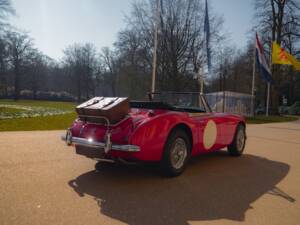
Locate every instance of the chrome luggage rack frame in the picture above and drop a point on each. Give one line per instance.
(107, 145)
(105, 118)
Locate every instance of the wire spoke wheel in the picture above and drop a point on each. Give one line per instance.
(237, 146)
(240, 139)
(178, 153)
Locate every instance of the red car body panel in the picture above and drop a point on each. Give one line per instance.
(149, 129)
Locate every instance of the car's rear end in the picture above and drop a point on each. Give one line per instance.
(109, 141)
(103, 130)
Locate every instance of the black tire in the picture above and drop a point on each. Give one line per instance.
(98, 166)
(169, 167)
(236, 148)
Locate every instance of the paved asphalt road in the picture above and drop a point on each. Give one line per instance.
(45, 182)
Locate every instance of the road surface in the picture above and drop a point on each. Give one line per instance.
(45, 182)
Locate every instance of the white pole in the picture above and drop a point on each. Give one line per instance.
(268, 99)
(201, 84)
(253, 84)
(269, 85)
(155, 48)
(201, 79)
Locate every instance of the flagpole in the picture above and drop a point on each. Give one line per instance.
(200, 77)
(200, 83)
(155, 48)
(268, 99)
(207, 34)
(253, 83)
(269, 84)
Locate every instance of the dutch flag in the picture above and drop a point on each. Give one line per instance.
(261, 62)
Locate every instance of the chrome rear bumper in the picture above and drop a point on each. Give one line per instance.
(94, 144)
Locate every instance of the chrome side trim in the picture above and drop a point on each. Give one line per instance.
(106, 160)
(102, 117)
(117, 160)
(94, 144)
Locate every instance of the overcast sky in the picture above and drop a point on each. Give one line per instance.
(54, 24)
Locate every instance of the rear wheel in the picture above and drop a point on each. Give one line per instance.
(176, 153)
(102, 165)
(237, 146)
(98, 166)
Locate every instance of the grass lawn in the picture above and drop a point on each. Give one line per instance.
(53, 122)
(10, 110)
(58, 122)
(51, 104)
(270, 119)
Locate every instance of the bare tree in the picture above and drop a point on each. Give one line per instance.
(18, 45)
(79, 61)
(3, 66)
(36, 69)
(181, 40)
(279, 21)
(6, 9)
(90, 64)
(110, 64)
(134, 65)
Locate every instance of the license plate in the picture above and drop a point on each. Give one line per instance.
(90, 152)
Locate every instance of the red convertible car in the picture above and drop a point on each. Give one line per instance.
(170, 128)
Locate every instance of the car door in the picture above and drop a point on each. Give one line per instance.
(208, 132)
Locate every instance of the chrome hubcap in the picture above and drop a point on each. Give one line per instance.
(178, 153)
(240, 139)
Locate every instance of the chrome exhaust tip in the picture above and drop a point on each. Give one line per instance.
(69, 137)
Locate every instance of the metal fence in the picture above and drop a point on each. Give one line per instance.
(231, 102)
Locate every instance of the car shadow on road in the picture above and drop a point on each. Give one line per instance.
(214, 186)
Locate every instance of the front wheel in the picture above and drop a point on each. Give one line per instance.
(237, 146)
(176, 153)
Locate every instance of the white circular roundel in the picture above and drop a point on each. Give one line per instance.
(210, 134)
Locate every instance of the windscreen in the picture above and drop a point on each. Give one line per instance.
(181, 100)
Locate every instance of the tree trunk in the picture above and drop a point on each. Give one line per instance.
(17, 82)
(113, 87)
(275, 69)
(78, 89)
